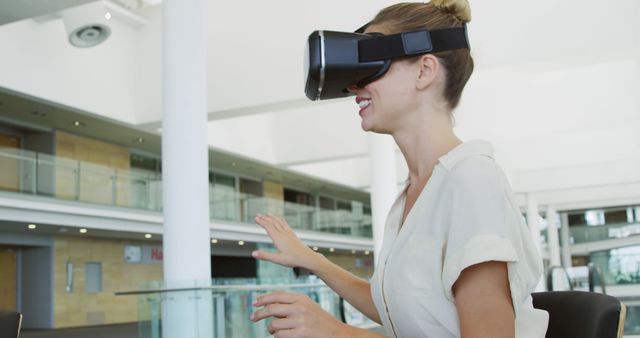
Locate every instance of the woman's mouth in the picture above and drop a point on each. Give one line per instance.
(363, 103)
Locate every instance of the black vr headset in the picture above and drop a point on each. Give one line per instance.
(337, 60)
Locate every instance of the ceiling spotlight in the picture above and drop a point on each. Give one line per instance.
(214, 241)
(315, 248)
(140, 139)
(147, 235)
(107, 16)
(77, 123)
(366, 252)
(83, 231)
(240, 242)
(31, 226)
(332, 249)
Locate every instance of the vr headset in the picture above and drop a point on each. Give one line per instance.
(337, 60)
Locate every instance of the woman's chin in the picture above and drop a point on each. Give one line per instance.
(366, 126)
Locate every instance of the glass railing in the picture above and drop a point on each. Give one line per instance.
(63, 178)
(585, 233)
(223, 309)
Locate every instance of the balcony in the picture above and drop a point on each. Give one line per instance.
(37, 174)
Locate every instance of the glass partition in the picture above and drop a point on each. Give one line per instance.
(586, 233)
(69, 179)
(227, 304)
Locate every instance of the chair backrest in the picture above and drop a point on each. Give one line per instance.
(578, 314)
(10, 323)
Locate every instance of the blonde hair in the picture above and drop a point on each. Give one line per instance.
(409, 16)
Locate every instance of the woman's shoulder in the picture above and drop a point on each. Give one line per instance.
(472, 162)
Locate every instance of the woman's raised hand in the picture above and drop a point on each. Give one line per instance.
(291, 251)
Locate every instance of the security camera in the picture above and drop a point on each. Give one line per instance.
(86, 25)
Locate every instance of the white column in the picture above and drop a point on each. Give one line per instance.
(533, 220)
(187, 251)
(553, 240)
(566, 240)
(382, 157)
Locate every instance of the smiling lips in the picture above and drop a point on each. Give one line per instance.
(363, 102)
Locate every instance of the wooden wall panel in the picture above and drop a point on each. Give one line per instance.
(274, 192)
(9, 177)
(8, 269)
(104, 169)
(80, 308)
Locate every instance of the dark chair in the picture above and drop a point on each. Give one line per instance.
(10, 323)
(578, 314)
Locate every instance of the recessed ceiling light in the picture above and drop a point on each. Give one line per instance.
(367, 252)
(76, 123)
(147, 235)
(83, 231)
(332, 249)
(63, 230)
(315, 248)
(107, 16)
(214, 241)
(353, 252)
(31, 226)
(240, 242)
(140, 139)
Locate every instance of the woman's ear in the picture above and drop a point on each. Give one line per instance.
(429, 67)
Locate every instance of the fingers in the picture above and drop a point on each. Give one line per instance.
(272, 310)
(281, 297)
(277, 223)
(265, 256)
(281, 324)
(283, 223)
(288, 333)
(269, 223)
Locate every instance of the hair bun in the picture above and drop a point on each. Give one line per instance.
(458, 8)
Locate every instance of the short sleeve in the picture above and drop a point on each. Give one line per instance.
(478, 228)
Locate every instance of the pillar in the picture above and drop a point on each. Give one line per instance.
(187, 251)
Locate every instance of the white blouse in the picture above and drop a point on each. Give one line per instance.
(466, 214)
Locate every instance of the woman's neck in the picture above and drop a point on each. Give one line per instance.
(423, 141)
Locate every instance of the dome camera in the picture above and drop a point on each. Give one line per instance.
(86, 25)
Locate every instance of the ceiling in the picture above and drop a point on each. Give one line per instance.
(555, 87)
(12, 10)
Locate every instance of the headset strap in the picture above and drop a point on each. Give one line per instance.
(418, 42)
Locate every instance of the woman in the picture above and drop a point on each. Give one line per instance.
(457, 259)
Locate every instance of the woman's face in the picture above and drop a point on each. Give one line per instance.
(383, 101)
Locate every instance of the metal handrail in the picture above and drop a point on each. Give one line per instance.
(550, 277)
(224, 288)
(593, 272)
